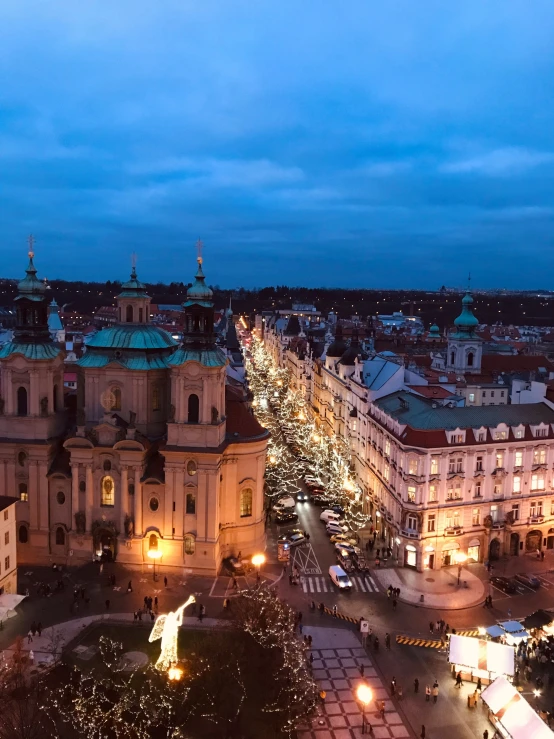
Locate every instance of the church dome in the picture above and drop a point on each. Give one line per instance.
(133, 288)
(133, 336)
(199, 292)
(466, 319)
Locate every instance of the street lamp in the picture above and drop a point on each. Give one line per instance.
(175, 673)
(363, 693)
(154, 554)
(460, 559)
(258, 560)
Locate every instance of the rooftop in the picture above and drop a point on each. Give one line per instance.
(6, 501)
(419, 413)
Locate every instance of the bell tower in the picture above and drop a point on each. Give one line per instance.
(465, 347)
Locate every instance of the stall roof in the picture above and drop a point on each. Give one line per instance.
(480, 654)
(495, 630)
(516, 717)
(512, 627)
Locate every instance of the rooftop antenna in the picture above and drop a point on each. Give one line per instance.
(199, 249)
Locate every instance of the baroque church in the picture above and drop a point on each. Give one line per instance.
(159, 459)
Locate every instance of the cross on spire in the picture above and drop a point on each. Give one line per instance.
(31, 242)
(134, 260)
(199, 248)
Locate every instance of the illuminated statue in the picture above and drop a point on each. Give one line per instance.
(167, 628)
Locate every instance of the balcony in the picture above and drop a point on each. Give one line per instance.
(518, 469)
(453, 531)
(539, 466)
(498, 472)
(536, 519)
(411, 534)
(498, 525)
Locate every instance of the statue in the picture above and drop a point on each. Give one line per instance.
(80, 416)
(80, 522)
(167, 628)
(171, 418)
(215, 415)
(129, 527)
(132, 419)
(44, 406)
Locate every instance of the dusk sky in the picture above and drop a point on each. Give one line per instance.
(360, 144)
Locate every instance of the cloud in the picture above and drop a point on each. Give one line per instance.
(501, 162)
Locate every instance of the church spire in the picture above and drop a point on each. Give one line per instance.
(199, 307)
(32, 306)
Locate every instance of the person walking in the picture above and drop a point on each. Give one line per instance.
(107, 605)
(394, 601)
(459, 682)
(39, 628)
(479, 684)
(362, 670)
(129, 587)
(431, 627)
(435, 691)
(393, 686)
(486, 734)
(422, 735)
(165, 582)
(29, 637)
(156, 602)
(416, 685)
(34, 628)
(387, 640)
(427, 693)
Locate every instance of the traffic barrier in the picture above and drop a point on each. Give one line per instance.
(413, 641)
(338, 614)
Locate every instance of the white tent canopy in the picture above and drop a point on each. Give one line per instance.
(8, 604)
(512, 715)
(480, 655)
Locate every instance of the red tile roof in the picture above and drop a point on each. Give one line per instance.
(431, 391)
(240, 421)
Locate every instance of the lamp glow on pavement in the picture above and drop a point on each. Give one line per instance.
(258, 560)
(364, 694)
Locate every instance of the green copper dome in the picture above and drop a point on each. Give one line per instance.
(199, 292)
(434, 329)
(30, 287)
(466, 319)
(132, 336)
(133, 288)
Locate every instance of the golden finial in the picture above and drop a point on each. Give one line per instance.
(31, 241)
(199, 248)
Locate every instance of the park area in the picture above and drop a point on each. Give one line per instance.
(248, 680)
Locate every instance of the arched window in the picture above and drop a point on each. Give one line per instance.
(131, 488)
(191, 468)
(190, 544)
(194, 408)
(60, 536)
(470, 359)
(116, 392)
(107, 465)
(21, 401)
(156, 404)
(23, 494)
(56, 399)
(82, 486)
(140, 315)
(152, 541)
(246, 502)
(23, 534)
(107, 491)
(191, 503)
(452, 357)
(21, 459)
(129, 314)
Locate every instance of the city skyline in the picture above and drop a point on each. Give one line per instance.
(388, 147)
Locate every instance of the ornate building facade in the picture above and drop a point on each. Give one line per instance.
(161, 456)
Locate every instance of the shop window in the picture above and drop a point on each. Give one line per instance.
(246, 503)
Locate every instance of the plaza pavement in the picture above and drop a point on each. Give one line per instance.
(438, 589)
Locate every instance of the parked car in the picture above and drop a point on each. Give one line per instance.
(286, 503)
(341, 546)
(282, 517)
(346, 538)
(530, 580)
(334, 527)
(329, 515)
(319, 499)
(293, 538)
(504, 584)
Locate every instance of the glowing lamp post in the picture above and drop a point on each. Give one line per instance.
(460, 559)
(175, 673)
(154, 554)
(258, 560)
(363, 694)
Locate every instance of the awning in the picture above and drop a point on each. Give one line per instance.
(538, 619)
(514, 716)
(512, 627)
(495, 631)
(480, 654)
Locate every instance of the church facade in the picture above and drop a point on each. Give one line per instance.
(161, 459)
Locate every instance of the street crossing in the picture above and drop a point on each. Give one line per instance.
(323, 585)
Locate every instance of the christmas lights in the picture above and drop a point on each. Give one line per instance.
(166, 628)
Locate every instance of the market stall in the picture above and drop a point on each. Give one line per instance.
(8, 604)
(511, 632)
(511, 714)
(480, 658)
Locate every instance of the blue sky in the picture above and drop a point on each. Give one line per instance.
(357, 144)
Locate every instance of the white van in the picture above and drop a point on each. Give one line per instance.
(328, 516)
(339, 578)
(285, 504)
(336, 527)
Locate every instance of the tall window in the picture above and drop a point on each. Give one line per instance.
(191, 503)
(152, 541)
(517, 484)
(479, 464)
(23, 494)
(21, 401)
(497, 488)
(193, 408)
(499, 460)
(456, 518)
(515, 511)
(411, 494)
(60, 536)
(459, 464)
(129, 314)
(452, 357)
(23, 534)
(434, 465)
(494, 513)
(56, 399)
(478, 489)
(190, 544)
(412, 466)
(539, 456)
(386, 471)
(387, 447)
(156, 404)
(107, 491)
(476, 517)
(537, 482)
(412, 522)
(246, 503)
(431, 522)
(470, 359)
(518, 459)
(116, 392)
(432, 493)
